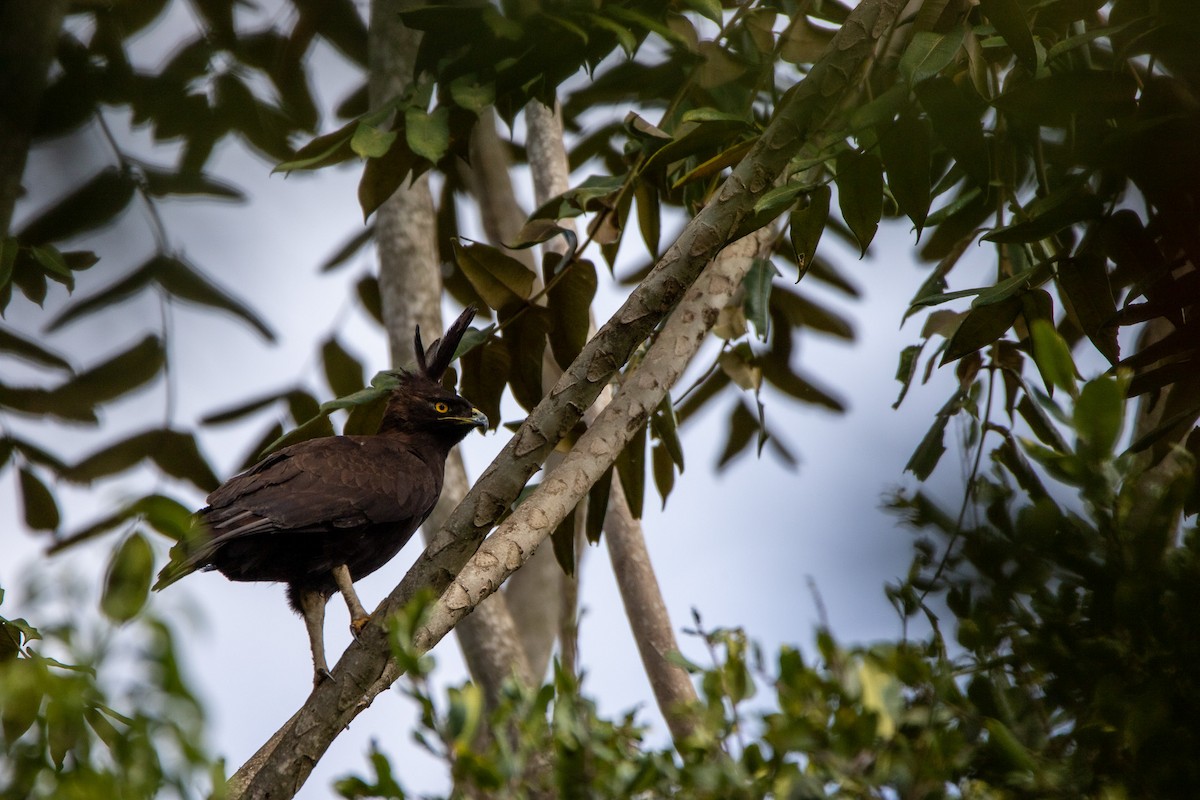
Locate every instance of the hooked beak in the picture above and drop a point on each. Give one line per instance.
(477, 419)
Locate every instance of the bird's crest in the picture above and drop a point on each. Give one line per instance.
(432, 362)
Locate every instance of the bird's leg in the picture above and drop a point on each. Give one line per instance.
(312, 606)
(358, 615)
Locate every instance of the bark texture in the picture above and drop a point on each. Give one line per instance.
(411, 287)
(366, 668)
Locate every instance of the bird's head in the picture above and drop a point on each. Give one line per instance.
(420, 403)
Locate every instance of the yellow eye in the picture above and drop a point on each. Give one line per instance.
(441, 408)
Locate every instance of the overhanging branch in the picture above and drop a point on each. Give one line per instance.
(366, 668)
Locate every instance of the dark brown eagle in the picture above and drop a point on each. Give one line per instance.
(320, 514)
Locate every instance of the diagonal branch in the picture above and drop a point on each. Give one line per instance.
(366, 669)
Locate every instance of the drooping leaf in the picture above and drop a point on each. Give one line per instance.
(126, 287)
(1052, 357)
(757, 299)
(428, 134)
(665, 427)
(525, 338)
(95, 203)
(127, 583)
(598, 506)
(906, 150)
(860, 194)
(1057, 97)
(570, 300)
(1010, 22)
(349, 248)
(382, 176)
(663, 467)
(631, 470)
(485, 372)
(1084, 287)
(186, 282)
(982, 326)
(929, 53)
(1099, 416)
(343, 372)
(806, 225)
(925, 458)
(115, 377)
(743, 425)
(1049, 216)
(563, 541)
(906, 369)
(175, 452)
(369, 141)
(501, 281)
(41, 509)
(17, 345)
(957, 126)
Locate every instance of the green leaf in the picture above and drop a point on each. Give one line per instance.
(1084, 287)
(343, 372)
(806, 225)
(957, 125)
(707, 8)
(525, 339)
(90, 206)
(485, 372)
(1009, 21)
(631, 471)
(663, 467)
(665, 427)
(383, 176)
(757, 299)
(174, 452)
(126, 287)
(349, 248)
(115, 377)
(906, 149)
(569, 299)
(1099, 416)
(925, 458)
(41, 509)
(929, 53)
(563, 541)
(982, 326)
(17, 345)
(906, 370)
(1052, 357)
(371, 142)
(428, 134)
(1049, 216)
(500, 280)
(1058, 97)
(860, 194)
(128, 581)
(598, 506)
(467, 92)
(186, 282)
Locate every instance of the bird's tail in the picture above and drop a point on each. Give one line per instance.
(189, 554)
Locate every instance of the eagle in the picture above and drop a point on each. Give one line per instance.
(320, 514)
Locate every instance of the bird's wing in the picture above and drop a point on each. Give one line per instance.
(324, 484)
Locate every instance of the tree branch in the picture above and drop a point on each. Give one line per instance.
(367, 668)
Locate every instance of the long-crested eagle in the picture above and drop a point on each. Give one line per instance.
(320, 514)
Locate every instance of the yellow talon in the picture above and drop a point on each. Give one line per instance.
(357, 625)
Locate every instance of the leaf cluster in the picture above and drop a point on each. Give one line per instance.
(67, 733)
